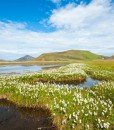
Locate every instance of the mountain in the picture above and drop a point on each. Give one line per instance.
(110, 58)
(25, 58)
(1, 60)
(69, 56)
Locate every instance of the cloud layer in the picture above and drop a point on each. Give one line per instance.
(87, 27)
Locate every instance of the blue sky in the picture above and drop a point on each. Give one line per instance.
(39, 26)
(33, 12)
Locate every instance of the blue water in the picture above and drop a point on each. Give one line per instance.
(86, 84)
(19, 69)
(89, 82)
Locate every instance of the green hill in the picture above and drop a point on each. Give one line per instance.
(69, 56)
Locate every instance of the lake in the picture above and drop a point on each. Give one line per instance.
(21, 69)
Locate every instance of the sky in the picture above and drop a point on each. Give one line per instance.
(34, 27)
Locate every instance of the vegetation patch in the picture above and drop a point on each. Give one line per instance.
(72, 108)
(70, 74)
(101, 70)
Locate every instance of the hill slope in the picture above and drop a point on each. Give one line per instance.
(69, 55)
(25, 58)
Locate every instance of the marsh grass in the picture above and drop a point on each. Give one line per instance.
(71, 108)
(101, 70)
(70, 74)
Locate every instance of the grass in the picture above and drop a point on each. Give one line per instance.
(101, 70)
(68, 74)
(72, 108)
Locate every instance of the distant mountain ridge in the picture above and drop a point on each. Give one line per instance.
(110, 58)
(25, 58)
(69, 55)
(1, 60)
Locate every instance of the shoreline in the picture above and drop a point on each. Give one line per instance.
(28, 63)
(38, 62)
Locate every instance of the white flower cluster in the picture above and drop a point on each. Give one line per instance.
(74, 108)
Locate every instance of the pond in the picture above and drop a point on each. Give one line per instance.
(14, 118)
(21, 69)
(89, 82)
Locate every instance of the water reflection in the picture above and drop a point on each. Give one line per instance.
(21, 69)
(18, 69)
(89, 82)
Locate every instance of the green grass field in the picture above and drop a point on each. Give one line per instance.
(73, 108)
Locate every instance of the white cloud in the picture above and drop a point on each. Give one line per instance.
(81, 16)
(12, 25)
(87, 27)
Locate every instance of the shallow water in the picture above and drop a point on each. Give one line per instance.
(86, 84)
(20, 69)
(14, 118)
(17, 69)
(89, 82)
